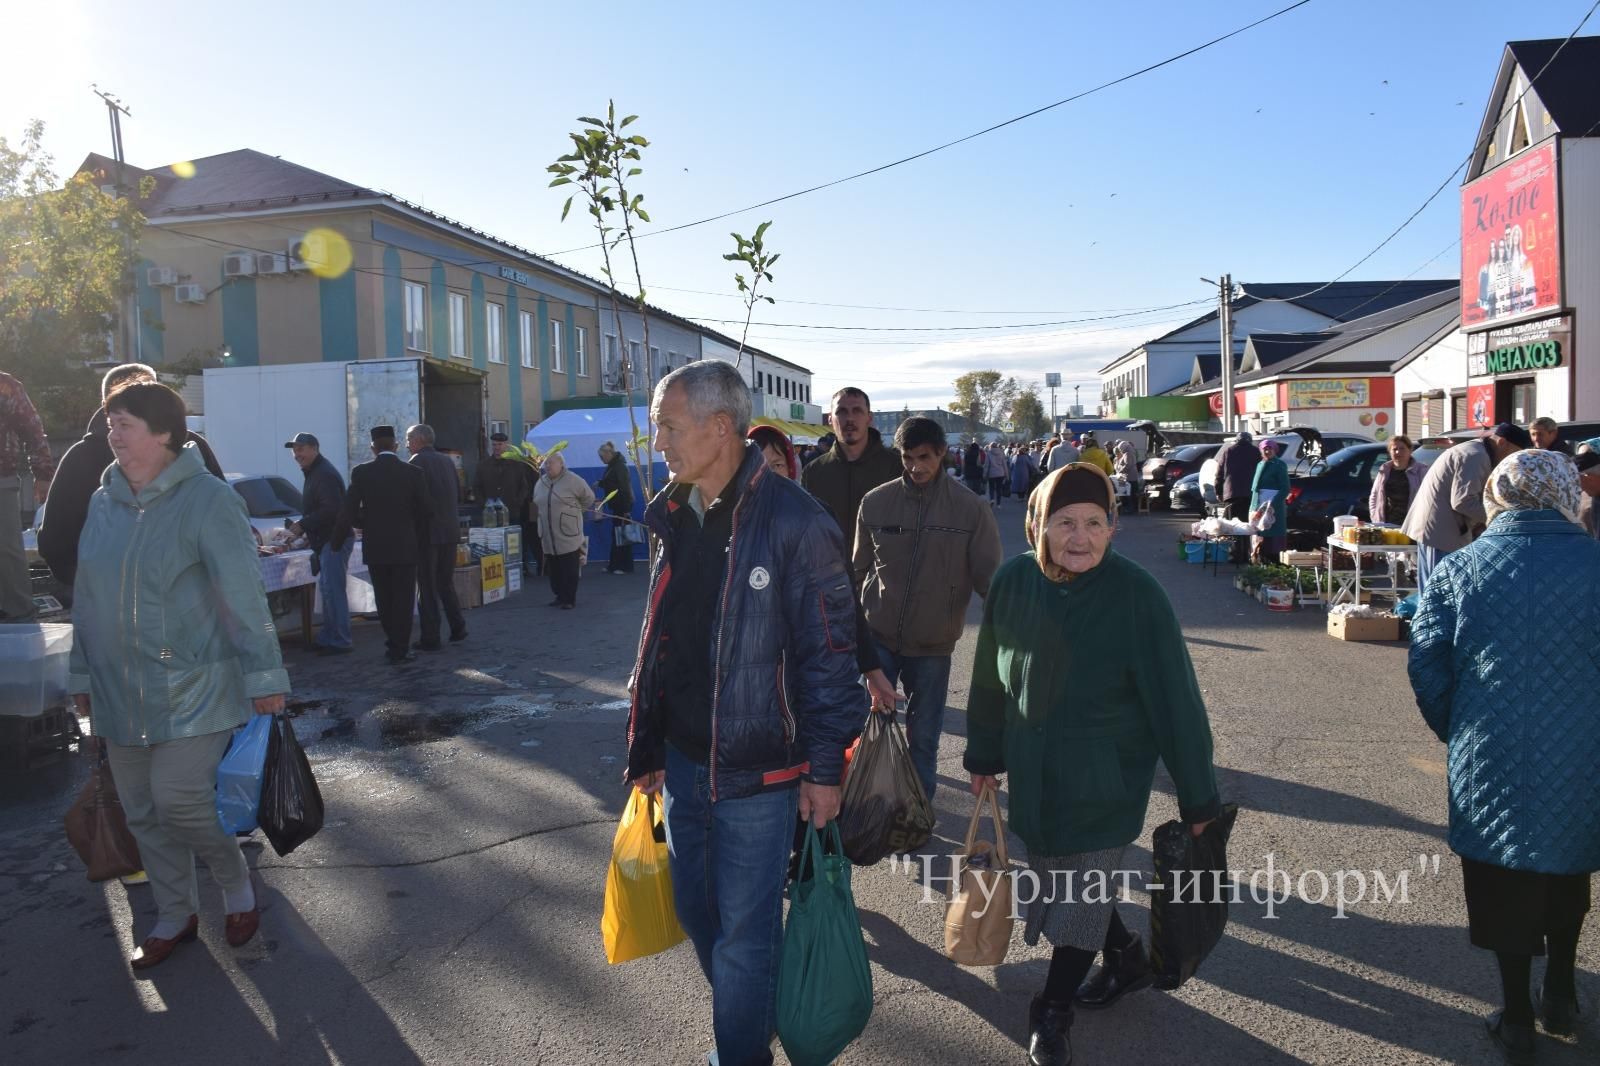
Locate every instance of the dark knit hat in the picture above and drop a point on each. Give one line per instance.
(1514, 433)
(1080, 484)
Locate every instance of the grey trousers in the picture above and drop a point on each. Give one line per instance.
(169, 794)
(16, 587)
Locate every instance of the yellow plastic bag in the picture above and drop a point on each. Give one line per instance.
(639, 918)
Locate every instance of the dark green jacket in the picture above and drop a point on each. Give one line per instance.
(1077, 690)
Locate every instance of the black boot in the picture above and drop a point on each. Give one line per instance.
(1559, 1014)
(1121, 971)
(1049, 1033)
(1514, 1041)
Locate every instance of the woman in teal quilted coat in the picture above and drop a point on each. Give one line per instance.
(1505, 669)
(173, 646)
(1272, 474)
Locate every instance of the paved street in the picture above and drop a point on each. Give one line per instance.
(449, 912)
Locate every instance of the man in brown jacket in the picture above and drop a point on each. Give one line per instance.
(923, 545)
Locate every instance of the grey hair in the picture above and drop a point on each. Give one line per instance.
(423, 431)
(711, 387)
(1544, 422)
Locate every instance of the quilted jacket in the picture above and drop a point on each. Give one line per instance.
(1506, 671)
(786, 702)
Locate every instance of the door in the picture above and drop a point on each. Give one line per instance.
(1412, 418)
(382, 392)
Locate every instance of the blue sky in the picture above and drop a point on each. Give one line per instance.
(1284, 154)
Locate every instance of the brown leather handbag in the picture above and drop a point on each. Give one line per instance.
(96, 826)
(977, 925)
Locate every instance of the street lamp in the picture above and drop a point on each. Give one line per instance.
(227, 353)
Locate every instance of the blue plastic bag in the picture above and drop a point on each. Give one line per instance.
(240, 773)
(1407, 607)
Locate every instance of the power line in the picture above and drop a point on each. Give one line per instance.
(942, 329)
(918, 310)
(962, 140)
(1476, 144)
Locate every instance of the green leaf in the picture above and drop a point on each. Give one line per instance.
(611, 110)
(587, 121)
(634, 171)
(762, 229)
(628, 121)
(769, 299)
(638, 140)
(643, 214)
(567, 207)
(774, 259)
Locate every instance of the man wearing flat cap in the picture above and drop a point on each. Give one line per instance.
(388, 502)
(321, 500)
(509, 480)
(1448, 510)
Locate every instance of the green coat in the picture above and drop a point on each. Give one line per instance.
(1273, 474)
(171, 632)
(1077, 689)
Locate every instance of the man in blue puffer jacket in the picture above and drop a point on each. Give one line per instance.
(745, 694)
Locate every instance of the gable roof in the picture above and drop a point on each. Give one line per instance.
(1569, 88)
(1339, 301)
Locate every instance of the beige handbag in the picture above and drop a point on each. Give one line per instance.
(977, 926)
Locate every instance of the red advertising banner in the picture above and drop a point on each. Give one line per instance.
(1480, 405)
(1511, 241)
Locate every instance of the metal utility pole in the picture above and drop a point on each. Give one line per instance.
(1225, 296)
(115, 108)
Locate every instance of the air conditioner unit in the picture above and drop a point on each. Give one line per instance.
(155, 276)
(238, 265)
(271, 263)
(189, 294)
(295, 253)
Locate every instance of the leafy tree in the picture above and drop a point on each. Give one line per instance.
(600, 164)
(753, 254)
(983, 396)
(66, 270)
(1028, 417)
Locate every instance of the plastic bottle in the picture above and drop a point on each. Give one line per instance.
(491, 513)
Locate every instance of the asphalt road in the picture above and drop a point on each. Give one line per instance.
(449, 911)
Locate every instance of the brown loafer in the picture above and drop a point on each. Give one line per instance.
(154, 951)
(242, 926)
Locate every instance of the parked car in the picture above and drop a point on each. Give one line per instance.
(1161, 471)
(1187, 496)
(1339, 485)
(271, 501)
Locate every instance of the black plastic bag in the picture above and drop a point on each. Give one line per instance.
(883, 809)
(291, 803)
(1189, 897)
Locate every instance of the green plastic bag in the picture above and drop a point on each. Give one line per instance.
(824, 984)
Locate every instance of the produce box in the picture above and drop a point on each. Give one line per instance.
(469, 586)
(1302, 558)
(1356, 627)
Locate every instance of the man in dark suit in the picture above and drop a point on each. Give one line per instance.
(436, 571)
(388, 501)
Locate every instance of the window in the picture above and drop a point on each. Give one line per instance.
(496, 427)
(580, 350)
(458, 326)
(635, 366)
(416, 317)
(611, 364)
(558, 362)
(672, 361)
(527, 427)
(808, 394)
(656, 372)
(530, 354)
(497, 335)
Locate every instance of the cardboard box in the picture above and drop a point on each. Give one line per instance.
(1355, 627)
(469, 586)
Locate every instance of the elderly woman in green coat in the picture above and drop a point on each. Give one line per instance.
(1272, 514)
(173, 647)
(1078, 715)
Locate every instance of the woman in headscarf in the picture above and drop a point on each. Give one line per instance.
(1271, 474)
(1126, 464)
(562, 497)
(1078, 716)
(1505, 669)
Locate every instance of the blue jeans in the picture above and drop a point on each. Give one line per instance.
(730, 861)
(926, 681)
(1427, 559)
(335, 629)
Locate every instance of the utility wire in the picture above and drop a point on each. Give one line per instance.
(1476, 144)
(943, 329)
(962, 140)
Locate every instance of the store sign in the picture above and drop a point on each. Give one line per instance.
(1530, 346)
(1263, 400)
(1214, 401)
(1331, 392)
(1511, 241)
(513, 274)
(494, 578)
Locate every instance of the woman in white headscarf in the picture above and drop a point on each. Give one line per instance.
(1505, 669)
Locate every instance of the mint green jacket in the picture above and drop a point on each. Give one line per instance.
(171, 632)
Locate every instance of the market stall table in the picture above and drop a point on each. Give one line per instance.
(292, 570)
(1345, 586)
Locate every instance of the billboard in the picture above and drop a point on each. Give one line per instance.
(1330, 392)
(1511, 241)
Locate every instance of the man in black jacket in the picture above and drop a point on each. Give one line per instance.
(1236, 472)
(510, 481)
(436, 570)
(78, 476)
(388, 502)
(857, 463)
(320, 503)
(617, 480)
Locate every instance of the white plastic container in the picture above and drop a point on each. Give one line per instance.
(33, 668)
(1343, 522)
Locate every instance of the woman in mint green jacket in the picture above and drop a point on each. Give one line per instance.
(173, 647)
(1077, 715)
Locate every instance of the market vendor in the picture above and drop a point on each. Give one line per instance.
(1078, 715)
(1272, 474)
